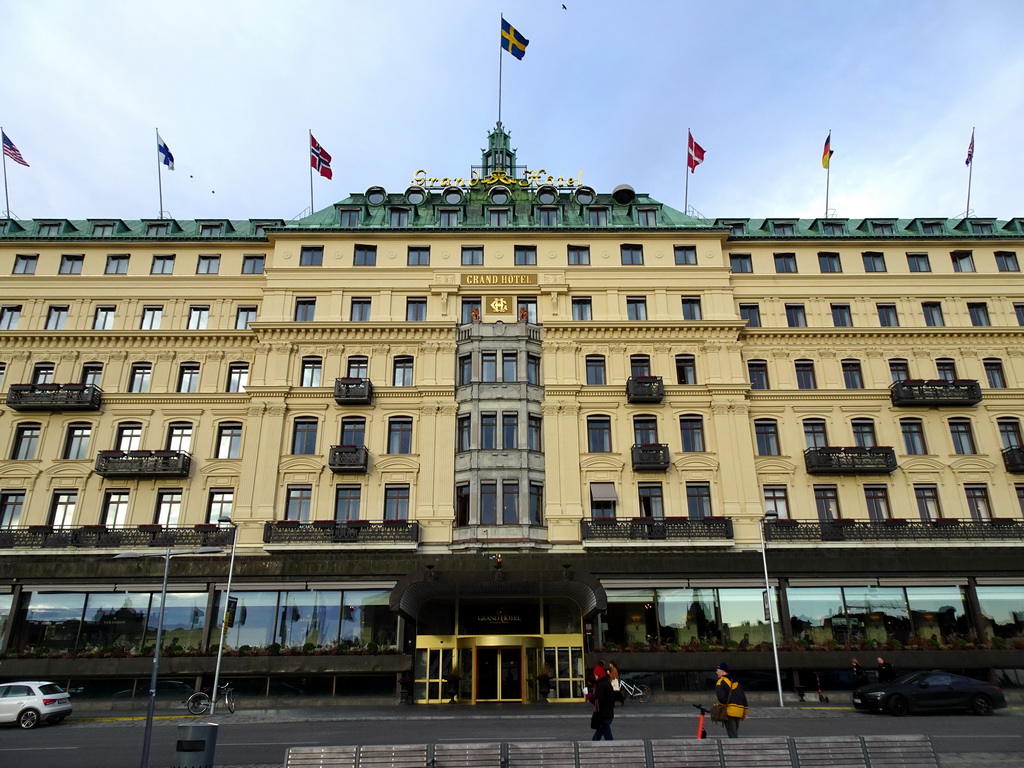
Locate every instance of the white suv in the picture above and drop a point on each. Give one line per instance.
(29, 703)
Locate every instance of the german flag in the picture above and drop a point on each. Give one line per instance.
(827, 153)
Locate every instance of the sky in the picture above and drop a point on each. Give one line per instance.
(607, 88)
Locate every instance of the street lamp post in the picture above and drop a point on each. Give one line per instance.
(147, 737)
(224, 620)
(770, 602)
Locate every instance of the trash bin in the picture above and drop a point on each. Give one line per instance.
(196, 745)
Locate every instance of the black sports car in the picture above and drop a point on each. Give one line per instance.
(928, 691)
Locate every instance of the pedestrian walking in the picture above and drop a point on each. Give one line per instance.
(602, 696)
(730, 694)
(859, 678)
(886, 673)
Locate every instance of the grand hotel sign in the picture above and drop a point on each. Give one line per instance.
(529, 179)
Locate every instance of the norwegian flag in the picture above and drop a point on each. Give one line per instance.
(319, 159)
(694, 154)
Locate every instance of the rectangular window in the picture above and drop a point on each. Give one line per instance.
(881, 228)
(815, 434)
(578, 255)
(1018, 311)
(581, 309)
(42, 373)
(1006, 261)
(978, 503)
(691, 308)
(826, 499)
(298, 501)
(946, 369)
(198, 318)
(963, 261)
(632, 255)
(994, 373)
(92, 374)
(488, 503)
(488, 431)
(913, 437)
(887, 316)
(103, 230)
(962, 436)
(208, 264)
(498, 217)
(757, 371)
(876, 498)
(403, 371)
(56, 318)
(599, 434)
(311, 256)
(597, 217)
(62, 509)
(25, 265)
(26, 442)
(311, 371)
(162, 265)
(785, 263)
(448, 218)
(691, 431)
(510, 366)
(636, 308)
(652, 502)
(873, 261)
(243, 317)
(488, 366)
(151, 318)
(360, 312)
(863, 433)
(415, 310)
(766, 434)
(853, 378)
(776, 501)
(399, 217)
(168, 507)
(510, 430)
(981, 227)
(927, 497)
(365, 256)
(918, 262)
(305, 310)
(347, 499)
(932, 314)
(179, 437)
(686, 370)
(532, 369)
(129, 436)
(595, 370)
(547, 217)
(472, 256)
(979, 313)
(157, 229)
(536, 504)
(796, 317)
(188, 377)
(525, 255)
(348, 217)
(741, 263)
(832, 228)
(751, 313)
(805, 378)
(115, 509)
(396, 502)
(698, 500)
(931, 227)
(71, 265)
(465, 369)
(219, 505)
(211, 230)
(533, 432)
(647, 217)
(686, 255)
(829, 262)
(782, 227)
(842, 317)
(139, 378)
(229, 441)
(899, 369)
(418, 256)
(400, 435)
(9, 317)
(463, 427)
(253, 265)
(117, 264)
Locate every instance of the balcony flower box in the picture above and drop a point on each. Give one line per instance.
(357, 523)
(396, 523)
(151, 527)
(784, 521)
(324, 523)
(1003, 521)
(945, 521)
(287, 523)
(206, 526)
(895, 521)
(843, 521)
(46, 528)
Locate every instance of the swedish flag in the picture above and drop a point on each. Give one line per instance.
(512, 41)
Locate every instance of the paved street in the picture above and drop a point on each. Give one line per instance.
(253, 737)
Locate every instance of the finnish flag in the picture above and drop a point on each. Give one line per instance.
(165, 154)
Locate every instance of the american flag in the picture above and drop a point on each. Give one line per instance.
(970, 150)
(319, 159)
(12, 152)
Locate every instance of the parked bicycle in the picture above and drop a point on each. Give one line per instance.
(641, 693)
(199, 702)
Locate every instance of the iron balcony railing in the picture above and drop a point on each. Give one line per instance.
(854, 460)
(348, 459)
(935, 392)
(657, 529)
(341, 532)
(1013, 459)
(651, 457)
(102, 536)
(54, 397)
(351, 391)
(143, 463)
(895, 530)
(645, 389)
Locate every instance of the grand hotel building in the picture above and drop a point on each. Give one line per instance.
(502, 425)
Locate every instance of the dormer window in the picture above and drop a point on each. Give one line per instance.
(104, 229)
(452, 196)
(585, 196)
(499, 217)
(931, 227)
(448, 217)
(547, 195)
(500, 196)
(736, 227)
(399, 217)
(348, 217)
(832, 228)
(783, 227)
(981, 227)
(415, 195)
(376, 195)
(211, 230)
(597, 217)
(156, 230)
(49, 229)
(259, 228)
(647, 217)
(547, 217)
(881, 228)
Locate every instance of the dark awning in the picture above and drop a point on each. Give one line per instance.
(603, 492)
(413, 590)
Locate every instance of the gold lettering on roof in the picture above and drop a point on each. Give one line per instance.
(499, 279)
(497, 176)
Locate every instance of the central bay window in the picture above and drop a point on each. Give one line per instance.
(651, 501)
(599, 434)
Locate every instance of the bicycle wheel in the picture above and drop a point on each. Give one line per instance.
(198, 703)
(230, 702)
(645, 694)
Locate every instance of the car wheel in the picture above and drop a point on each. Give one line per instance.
(981, 705)
(28, 719)
(898, 706)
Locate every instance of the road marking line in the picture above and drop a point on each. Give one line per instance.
(35, 749)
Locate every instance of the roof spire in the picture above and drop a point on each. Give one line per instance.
(499, 156)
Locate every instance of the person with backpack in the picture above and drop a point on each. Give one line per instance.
(729, 693)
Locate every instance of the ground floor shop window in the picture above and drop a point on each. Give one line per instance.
(1002, 610)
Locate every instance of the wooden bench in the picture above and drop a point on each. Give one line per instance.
(761, 752)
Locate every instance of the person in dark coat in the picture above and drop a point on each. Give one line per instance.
(886, 674)
(604, 695)
(730, 693)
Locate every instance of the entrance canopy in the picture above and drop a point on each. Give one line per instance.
(416, 588)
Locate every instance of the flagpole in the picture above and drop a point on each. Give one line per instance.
(500, 59)
(7, 200)
(828, 169)
(159, 174)
(970, 175)
(686, 173)
(311, 209)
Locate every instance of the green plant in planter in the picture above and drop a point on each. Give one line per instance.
(274, 649)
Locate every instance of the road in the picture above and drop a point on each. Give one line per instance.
(260, 738)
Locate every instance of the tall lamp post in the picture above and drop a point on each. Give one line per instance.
(147, 737)
(769, 601)
(224, 619)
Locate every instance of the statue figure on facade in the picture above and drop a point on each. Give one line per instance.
(523, 314)
(474, 315)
